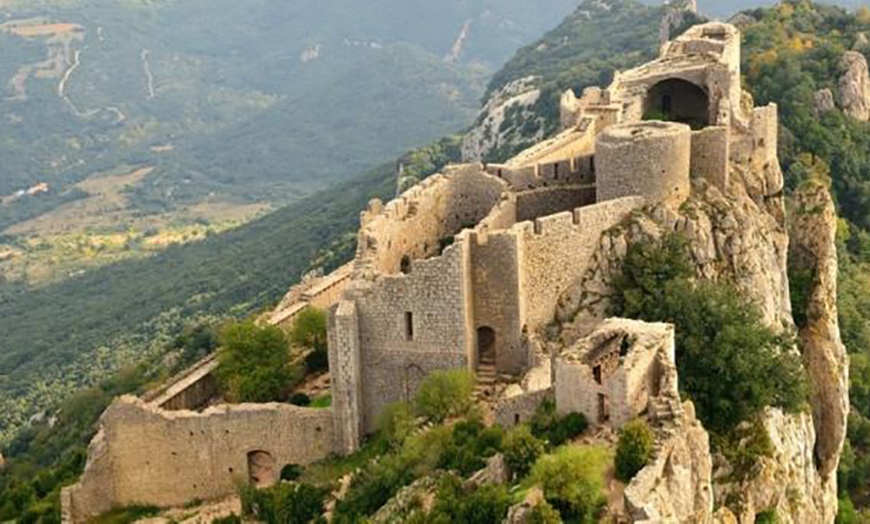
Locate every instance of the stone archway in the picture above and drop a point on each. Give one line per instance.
(485, 345)
(678, 100)
(262, 469)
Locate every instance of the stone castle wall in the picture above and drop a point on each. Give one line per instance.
(155, 457)
(346, 376)
(557, 250)
(647, 158)
(551, 200)
(496, 260)
(414, 226)
(412, 324)
(710, 156)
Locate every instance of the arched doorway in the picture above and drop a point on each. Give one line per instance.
(486, 345)
(677, 100)
(261, 469)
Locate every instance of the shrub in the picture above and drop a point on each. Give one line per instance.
(291, 472)
(396, 423)
(544, 513)
(729, 362)
(766, 517)
(300, 399)
(483, 505)
(573, 481)
(469, 445)
(254, 363)
(285, 503)
(548, 425)
(444, 394)
(633, 450)
(379, 481)
(309, 332)
(744, 447)
(521, 450)
(846, 513)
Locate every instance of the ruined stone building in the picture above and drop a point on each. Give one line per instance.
(466, 270)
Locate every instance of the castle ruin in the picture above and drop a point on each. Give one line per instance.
(465, 270)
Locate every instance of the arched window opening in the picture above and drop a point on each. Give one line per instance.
(677, 100)
(261, 469)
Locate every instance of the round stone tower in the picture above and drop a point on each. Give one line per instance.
(649, 159)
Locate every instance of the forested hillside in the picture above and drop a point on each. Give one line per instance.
(129, 126)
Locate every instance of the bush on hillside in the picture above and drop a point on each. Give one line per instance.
(521, 450)
(469, 446)
(254, 363)
(573, 481)
(284, 503)
(633, 450)
(396, 423)
(544, 513)
(482, 505)
(729, 362)
(548, 425)
(444, 394)
(309, 332)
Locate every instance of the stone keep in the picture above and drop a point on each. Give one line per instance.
(645, 158)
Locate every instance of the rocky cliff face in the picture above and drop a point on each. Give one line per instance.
(855, 86)
(742, 235)
(496, 124)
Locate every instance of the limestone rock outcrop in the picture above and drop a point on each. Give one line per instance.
(743, 236)
(823, 102)
(814, 252)
(514, 101)
(677, 485)
(855, 86)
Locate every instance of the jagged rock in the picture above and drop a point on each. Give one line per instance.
(823, 101)
(488, 134)
(742, 20)
(788, 482)
(522, 512)
(861, 42)
(495, 472)
(419, 496)
(677, 485)
(855, 86)
(814, 230)
(724, 516)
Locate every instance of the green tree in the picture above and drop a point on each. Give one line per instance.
(254, 363)
(444, 394)
(633, 450)
(482, 505)
(396, 423)
(521, 450)
(573, 481)
(729, 362)
(309, 332)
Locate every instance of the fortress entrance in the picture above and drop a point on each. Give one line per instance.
(676, 100)
(261, 469)
(486, 345)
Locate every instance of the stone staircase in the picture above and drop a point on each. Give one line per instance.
(486, 380)
(665, 409)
